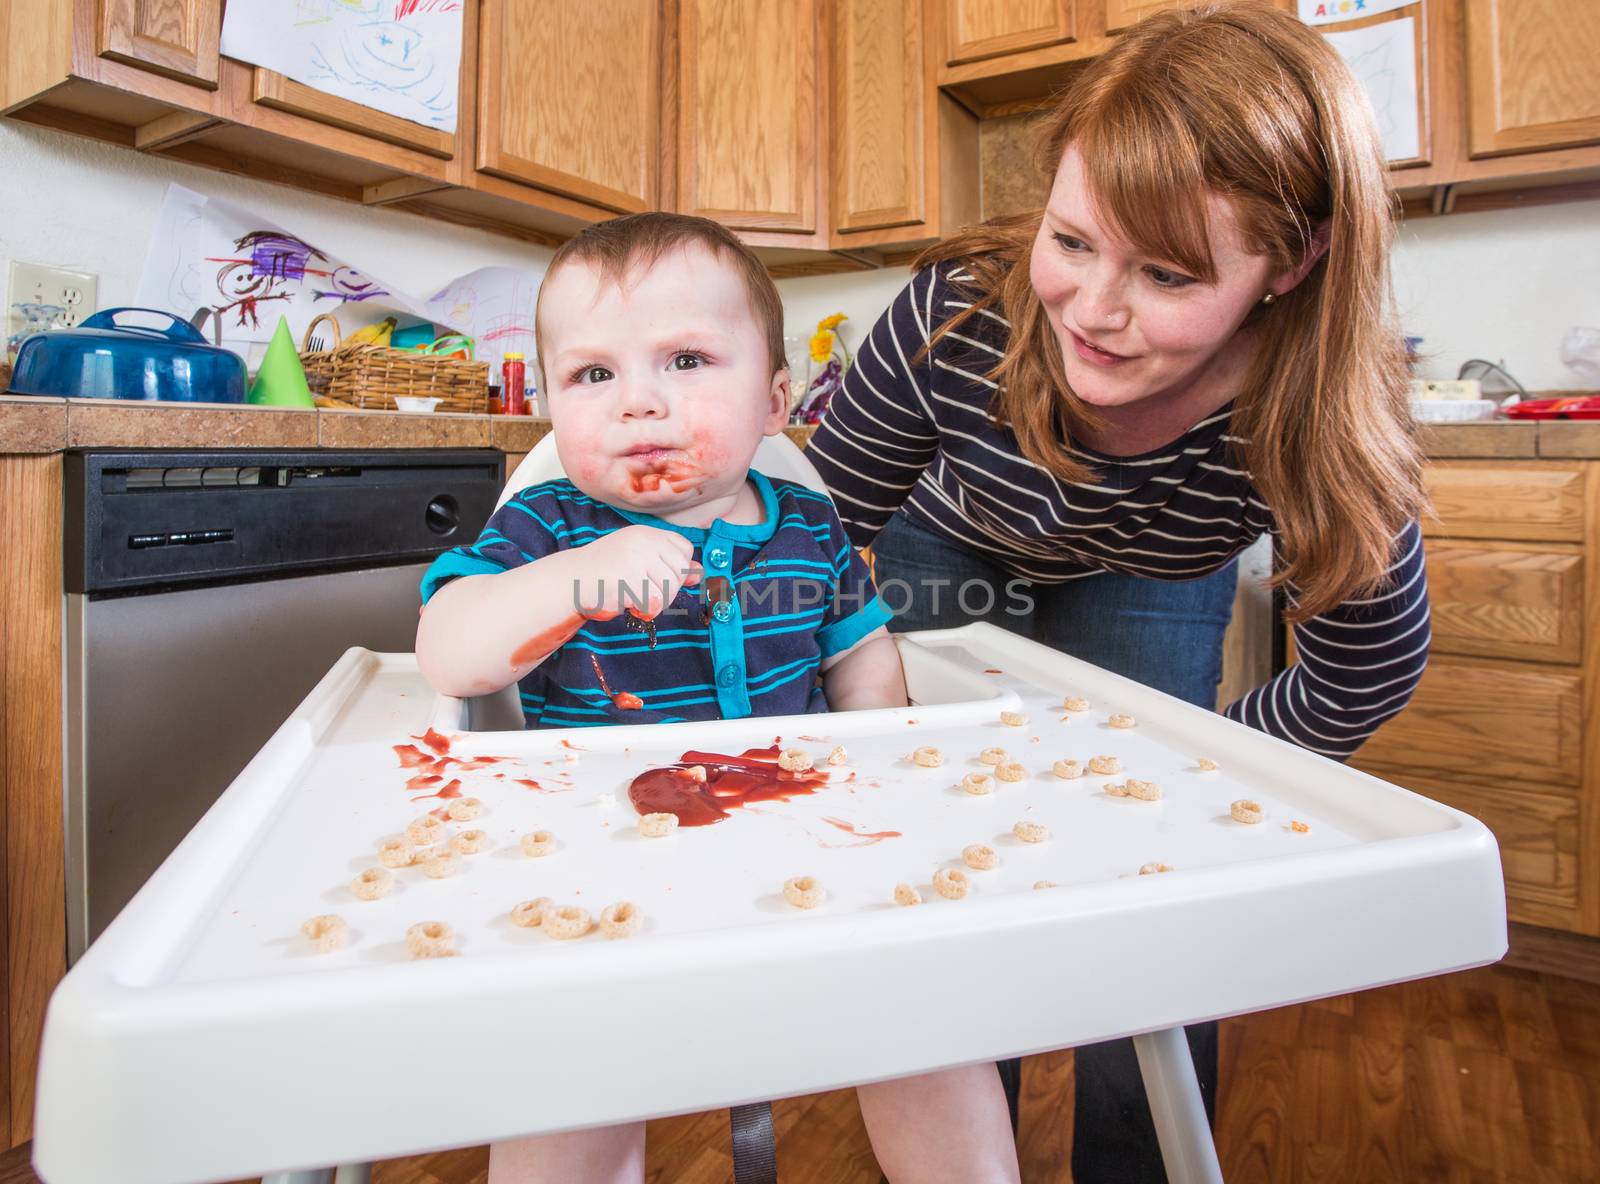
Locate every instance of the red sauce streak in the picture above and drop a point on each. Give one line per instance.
(412, 757)
(574, 747)
(994, 671)
(439, 744)
(644, 624)
(731, 782)
(542, 645)
(875, 836)
(424, 780)
(527, 781)
(624, 700)
(453, 790)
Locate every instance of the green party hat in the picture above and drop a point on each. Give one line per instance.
(281, 380)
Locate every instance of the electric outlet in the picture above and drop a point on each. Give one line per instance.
(41, 297)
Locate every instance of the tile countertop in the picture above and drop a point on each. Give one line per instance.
(30, 424)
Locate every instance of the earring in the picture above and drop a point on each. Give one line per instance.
(1268, 298)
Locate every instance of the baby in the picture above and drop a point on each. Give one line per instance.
(663, 579)
(666, 580)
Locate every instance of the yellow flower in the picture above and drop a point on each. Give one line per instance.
(832, 322)
(822, 345)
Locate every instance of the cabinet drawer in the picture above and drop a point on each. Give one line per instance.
(1489, 720)
(1534, 502)
(1504, 600)
(1538, 836)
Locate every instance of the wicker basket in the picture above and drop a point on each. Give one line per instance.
(370, 376)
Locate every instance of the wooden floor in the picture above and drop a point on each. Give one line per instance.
(1486, 1077)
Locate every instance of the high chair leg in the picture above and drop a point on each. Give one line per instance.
(755, 1148)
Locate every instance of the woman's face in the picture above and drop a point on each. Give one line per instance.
(1133, 329)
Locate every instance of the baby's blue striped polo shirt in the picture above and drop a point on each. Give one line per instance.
(800, 594)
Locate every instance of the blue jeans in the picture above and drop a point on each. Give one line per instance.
(1165, 634)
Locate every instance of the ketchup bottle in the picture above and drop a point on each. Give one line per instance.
(513, 382)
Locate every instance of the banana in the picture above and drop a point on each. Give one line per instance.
(378, 334)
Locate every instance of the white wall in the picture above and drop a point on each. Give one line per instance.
(1503, 285)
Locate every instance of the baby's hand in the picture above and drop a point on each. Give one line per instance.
(638, 568)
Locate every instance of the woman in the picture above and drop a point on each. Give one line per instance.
(1192, 345)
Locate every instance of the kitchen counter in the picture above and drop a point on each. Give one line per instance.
(35, 425)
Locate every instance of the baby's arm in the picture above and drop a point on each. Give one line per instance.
(866, 675)
(479, 633)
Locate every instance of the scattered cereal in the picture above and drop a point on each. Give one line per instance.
(696, 773)
(803, 892)
(1151, 869)
(537, 843)
(1067, 770)
(928, 758)
(978, 783)
(425, 830)
(469, 842)
(371, 884)
(442, 865)
(529, 913)
(1010, 771)
(620, 920)
(1244, 810)
(327, 932)
(1013, 719)
(1300, 828)
(1145, 791)
(395, 853)
(1121, 719)
(1031, 832)
(906, 894)
(1104, 765)
(1075, 703)
(993, 756)
(431, 939)
(794, 760)
(1207, 765)
(1116, 789)
(838, 756)
(951, 883)
(466, 809)
(657, 826)
(979, 858)
(566, 922)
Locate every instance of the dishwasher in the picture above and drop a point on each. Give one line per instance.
(206, 594)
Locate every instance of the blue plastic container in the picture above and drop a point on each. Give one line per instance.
(102, 359)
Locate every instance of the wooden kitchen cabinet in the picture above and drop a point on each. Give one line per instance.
(569, 98)
(177, 38)
(986, 28)
(748, 128)
(1124, 14)
(1531, 75)
(1506, 722)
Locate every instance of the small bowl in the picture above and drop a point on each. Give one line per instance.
(416, 403)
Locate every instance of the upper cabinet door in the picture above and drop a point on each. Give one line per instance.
(569, 98)
(877, 146)
(747, 118)
(1531, 70)
(178, 38)
(988, 28)
(1124, 14)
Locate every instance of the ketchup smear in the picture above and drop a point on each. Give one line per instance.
(730, 782)
(624, 700)
(453, 790)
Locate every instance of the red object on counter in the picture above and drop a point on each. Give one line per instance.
(1566, 407)
(513, 384)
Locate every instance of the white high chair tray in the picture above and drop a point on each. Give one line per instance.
(201, 1038)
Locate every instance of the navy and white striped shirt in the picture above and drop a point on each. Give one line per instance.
(917, 438)
(777, 599)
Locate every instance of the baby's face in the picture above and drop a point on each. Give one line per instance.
(660, 388)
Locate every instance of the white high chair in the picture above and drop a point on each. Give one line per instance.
(778, 456)
(755, 1159)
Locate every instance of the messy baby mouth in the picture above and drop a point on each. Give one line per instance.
(652, 466)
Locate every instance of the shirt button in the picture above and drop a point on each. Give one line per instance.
(727, 676)
(722, 610)
(717, 557)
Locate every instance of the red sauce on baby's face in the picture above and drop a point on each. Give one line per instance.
(730, 782)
